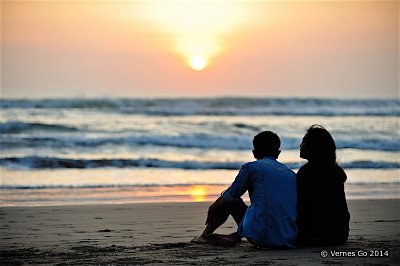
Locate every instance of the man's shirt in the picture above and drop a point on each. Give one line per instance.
(271, 218)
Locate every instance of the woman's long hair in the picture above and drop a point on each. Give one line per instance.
(320, 145)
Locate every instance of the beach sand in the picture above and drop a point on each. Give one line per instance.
(160, 233)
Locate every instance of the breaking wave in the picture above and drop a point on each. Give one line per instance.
(35, 162)
(19, 127)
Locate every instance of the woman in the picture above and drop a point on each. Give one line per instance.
(322, 214)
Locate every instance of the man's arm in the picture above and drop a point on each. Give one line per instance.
(239, 186)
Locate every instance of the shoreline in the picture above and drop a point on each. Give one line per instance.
(160, 233)
(132, 194)
(172, 202)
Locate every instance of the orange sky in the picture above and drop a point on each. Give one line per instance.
(253, 48)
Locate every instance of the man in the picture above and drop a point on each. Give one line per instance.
(270, 220)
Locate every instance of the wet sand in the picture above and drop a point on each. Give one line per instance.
(160, 233)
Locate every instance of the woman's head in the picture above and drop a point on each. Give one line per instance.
(318, 145)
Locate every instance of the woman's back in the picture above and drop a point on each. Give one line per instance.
(323, 216)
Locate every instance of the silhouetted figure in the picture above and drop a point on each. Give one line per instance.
(322, 214)
(270, 220)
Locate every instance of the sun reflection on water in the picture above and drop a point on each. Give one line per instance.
(197, 193)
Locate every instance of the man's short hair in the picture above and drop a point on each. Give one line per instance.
(266, 143)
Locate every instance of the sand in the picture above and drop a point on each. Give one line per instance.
(161, 233)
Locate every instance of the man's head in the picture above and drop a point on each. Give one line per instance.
(266, 144)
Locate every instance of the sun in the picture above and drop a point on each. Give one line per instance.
(198, 62)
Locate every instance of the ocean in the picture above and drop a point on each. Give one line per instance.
(91, 151)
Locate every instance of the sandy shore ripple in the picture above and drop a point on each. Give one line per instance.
(160, 233)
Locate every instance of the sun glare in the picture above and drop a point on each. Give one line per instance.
(198, 63)
(197, 27)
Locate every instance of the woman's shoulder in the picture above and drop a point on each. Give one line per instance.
(308, 167)
(318, 169)
(304, 170)
(340, 173)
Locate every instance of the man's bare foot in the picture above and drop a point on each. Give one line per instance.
(224, 240)
(202, 239)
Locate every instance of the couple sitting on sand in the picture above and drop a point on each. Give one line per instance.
(285, 210)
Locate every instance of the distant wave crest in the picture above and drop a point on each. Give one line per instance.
(222, 106)
(18, 127)
(198, 140)
(63, 163)
(54, 163)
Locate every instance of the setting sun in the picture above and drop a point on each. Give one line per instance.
(198, 63)
(197, 29)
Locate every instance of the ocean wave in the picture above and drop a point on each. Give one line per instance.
(199, 140)
(222, 106)
(182, 141)
(369, 144)
(35, 162)
(370, 165)
(18, 127)
(55, 163)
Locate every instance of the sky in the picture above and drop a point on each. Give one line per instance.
(320, 49)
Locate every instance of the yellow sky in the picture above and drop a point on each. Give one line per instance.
(250, 48)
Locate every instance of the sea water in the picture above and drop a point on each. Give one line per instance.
(82, 151)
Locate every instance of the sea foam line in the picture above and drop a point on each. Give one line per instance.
(198, 140)
(35, 162)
